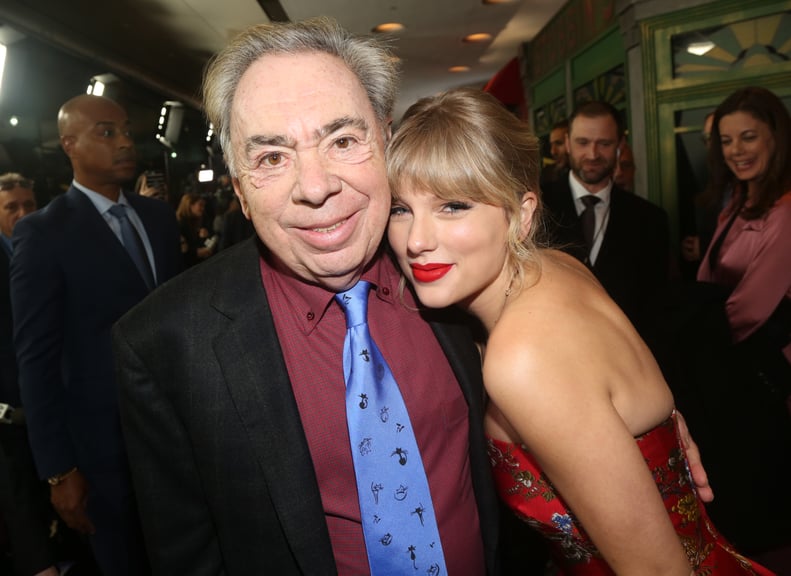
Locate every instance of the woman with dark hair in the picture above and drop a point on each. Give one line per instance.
(748, 269)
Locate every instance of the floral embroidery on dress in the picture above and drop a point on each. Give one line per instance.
(523, 486)
(562, 530)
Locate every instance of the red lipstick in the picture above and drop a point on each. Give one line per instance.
(429, 272)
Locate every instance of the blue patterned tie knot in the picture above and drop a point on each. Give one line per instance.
(396, 508)
(355, 303)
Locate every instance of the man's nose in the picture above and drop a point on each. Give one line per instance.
(316, 180)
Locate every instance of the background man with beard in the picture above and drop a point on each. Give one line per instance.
(78, 265)
(627, 244)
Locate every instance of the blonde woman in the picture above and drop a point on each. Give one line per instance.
(582, 429)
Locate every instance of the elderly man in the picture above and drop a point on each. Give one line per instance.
(232, 376)
(78, 265)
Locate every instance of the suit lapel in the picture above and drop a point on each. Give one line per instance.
(455, 339)
(249, 355)
(89, 227)
(612, 240)
(569, 228)
(153, 231)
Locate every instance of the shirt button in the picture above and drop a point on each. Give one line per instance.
(386, 291)
(310, 316)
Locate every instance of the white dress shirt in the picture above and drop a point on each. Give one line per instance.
(601, 210)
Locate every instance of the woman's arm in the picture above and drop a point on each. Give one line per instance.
(555, 397)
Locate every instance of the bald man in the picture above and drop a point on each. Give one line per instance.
(79, 264)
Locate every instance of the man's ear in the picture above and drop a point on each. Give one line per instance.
(67, 143)
(237, 188)
(526, 211)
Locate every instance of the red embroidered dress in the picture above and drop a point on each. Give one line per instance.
(529, 494)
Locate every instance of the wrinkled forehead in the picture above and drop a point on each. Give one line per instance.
(294, 96)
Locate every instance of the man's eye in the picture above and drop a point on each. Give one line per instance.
(272, 159)
(344, 142)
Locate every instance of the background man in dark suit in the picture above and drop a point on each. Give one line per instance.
(232, 387)
(23, 502)
(628, 247)
(72, 276)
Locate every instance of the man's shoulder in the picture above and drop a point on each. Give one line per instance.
(151, 207)
(228, 278)
(59, 212)
(559, 186)
(637, 204)
(557, 194)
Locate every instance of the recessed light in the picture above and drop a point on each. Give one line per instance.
(497, 1)
(477, 37)
(388, 27)
(700, 48)
(459, 69)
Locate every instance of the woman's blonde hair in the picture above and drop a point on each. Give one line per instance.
(464, 144)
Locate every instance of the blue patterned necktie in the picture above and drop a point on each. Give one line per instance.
(399, 525)
(133, 244)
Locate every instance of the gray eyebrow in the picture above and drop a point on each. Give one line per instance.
(259, 140)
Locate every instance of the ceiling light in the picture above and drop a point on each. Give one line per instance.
(459, 69)
(388, 27)
(497, 1)
(477, 37)
(96, 88)
(700, 48)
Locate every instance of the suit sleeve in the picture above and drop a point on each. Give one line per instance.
(38, 301)
(180, 537)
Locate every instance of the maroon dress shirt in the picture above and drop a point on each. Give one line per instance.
(311, 328)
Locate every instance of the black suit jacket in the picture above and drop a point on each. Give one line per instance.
(71, 279)
(633, 263)
(221, 466)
